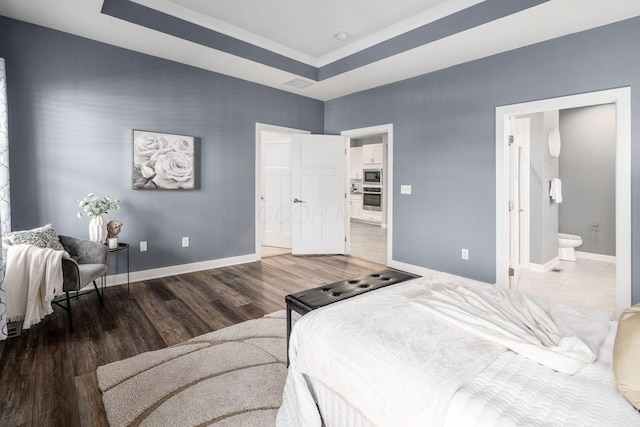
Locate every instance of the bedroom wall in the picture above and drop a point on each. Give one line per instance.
(588, 173)
(73, 103)
(444, 139)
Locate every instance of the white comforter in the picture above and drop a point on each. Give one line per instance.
(385, 356)
(563, 338)
(516, 391)
(33, 278)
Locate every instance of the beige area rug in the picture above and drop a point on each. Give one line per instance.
(230, 377)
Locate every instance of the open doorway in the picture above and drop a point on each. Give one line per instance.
(301, 192)
(509, 155)
(565, 236)
(273, 189)
(370, 199)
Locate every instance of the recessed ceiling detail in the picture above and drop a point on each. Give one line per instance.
(460, 21)
(445, 34)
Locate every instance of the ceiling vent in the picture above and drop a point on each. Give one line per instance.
(299, 83)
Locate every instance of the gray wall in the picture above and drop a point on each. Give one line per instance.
(444, 139)
(587, 170)
(72, 105)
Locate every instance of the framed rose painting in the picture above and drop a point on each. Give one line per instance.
(163, 161)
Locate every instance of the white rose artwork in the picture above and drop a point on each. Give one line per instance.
(163, 161)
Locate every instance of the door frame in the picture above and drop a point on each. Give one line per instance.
(260, 127)
(622, 98)
(387, 177)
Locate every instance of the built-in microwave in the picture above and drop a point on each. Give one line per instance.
(372, 176)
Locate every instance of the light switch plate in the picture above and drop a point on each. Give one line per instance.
(185, 242)
(405, 189)
(143, 246)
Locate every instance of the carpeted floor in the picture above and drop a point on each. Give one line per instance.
(230, 377)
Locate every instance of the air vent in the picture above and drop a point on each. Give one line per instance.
(299, 83)
(14, 329)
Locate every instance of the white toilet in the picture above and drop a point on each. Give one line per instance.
(567, 244)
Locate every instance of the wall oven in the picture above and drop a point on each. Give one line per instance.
(372, 176)
(372, 198)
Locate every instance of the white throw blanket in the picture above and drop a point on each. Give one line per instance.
(33, 278)
(565, 340)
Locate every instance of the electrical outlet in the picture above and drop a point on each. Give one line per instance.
(405, 189)
(185, 242)
(143, 246)
(465, 254)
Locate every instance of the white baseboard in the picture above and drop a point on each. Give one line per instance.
(138, 276)
(546, 267)
(414, 269)
(596, 257)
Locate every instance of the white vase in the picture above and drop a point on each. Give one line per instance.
(97, 229)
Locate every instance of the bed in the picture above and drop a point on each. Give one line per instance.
(433, 351)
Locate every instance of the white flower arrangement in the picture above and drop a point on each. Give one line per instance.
(92, 206)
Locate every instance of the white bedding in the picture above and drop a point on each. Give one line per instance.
(395, 388)
(515, 391)
(383, 356)
(563, 338)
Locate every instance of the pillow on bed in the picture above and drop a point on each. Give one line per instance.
(626, 354)
(43, 237)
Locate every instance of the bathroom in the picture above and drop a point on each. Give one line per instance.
(567, 239)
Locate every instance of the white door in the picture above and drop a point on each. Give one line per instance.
(514, 206)
(523, 139)
(275, 212)
(319, 189)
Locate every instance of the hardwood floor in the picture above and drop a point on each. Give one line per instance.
(47, 375)
(369, 241)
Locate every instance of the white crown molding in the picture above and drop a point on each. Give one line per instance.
(206, 21)
(170, 8)
(416, 21)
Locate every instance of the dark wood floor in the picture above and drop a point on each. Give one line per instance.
(47, 375)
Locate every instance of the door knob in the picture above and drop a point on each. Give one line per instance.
(296, 200)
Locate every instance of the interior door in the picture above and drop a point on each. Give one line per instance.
(514, 206)
(276, 189)
(319, 189)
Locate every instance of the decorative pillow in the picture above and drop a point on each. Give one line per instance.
(626, 354)
(43, 237)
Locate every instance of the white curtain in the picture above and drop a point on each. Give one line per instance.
(5, 212)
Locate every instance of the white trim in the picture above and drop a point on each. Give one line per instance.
(622, 98)
(416, 21)
(155, 273)
(596, 257)
(546, 267)
(413, 269)
(262, 127)
(387, 176)
(353, 46)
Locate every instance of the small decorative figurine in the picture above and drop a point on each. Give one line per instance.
(113, 229)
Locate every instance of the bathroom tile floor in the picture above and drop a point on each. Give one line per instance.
(585, 282)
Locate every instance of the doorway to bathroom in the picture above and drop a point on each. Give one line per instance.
(529, 217)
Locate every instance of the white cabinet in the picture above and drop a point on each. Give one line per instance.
(355, 206)
(372, 154)
(355, 166)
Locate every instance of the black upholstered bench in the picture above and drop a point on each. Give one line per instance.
(305, 301)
